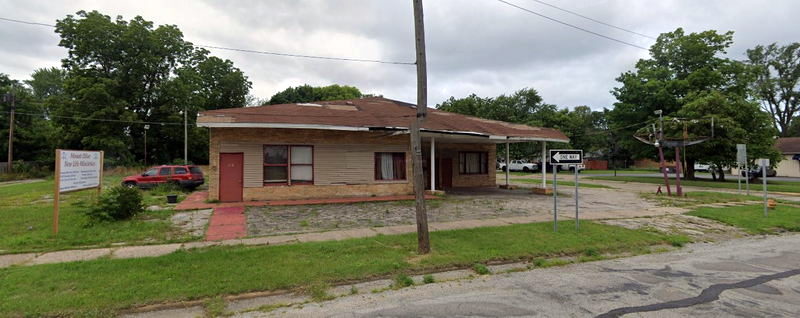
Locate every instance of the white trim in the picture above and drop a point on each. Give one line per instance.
(277, 125)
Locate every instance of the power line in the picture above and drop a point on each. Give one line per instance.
(99, 119)
(594, 20)
(306, 56)
(572, 25)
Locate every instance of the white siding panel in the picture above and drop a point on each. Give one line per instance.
(253, 161)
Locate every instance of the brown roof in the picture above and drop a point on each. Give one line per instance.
(788, 145)
(372, 113)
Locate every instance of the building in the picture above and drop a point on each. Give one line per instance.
(790, 149)
(349, 148)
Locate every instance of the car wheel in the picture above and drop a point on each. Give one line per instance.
(504, 168)
(526, 169)
(129, 184)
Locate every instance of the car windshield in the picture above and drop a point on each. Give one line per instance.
(151, 172)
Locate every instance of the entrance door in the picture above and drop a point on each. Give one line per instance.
(445, 173)
(231, 176)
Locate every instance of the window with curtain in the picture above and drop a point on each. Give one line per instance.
(390, 166)
(473, 163)
(284, 165)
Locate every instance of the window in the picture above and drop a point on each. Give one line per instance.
(284, 165)
(164, 171)
(195, 170)
(151, 172)
(390, 166)
(473, 163)
(180, 170)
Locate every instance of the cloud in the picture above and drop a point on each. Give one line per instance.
(473, 46)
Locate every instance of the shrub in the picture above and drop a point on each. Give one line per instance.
(480, 269)
(402, 280)
(118, 203)
(428, 279)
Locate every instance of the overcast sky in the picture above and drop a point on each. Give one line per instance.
(474, 46)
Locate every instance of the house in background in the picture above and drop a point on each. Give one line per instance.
(349, 148)
(790, 149)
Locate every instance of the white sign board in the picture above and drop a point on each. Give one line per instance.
(763, 162)
(78, 170)
(741, 154)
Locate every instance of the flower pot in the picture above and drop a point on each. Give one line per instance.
(172, 198)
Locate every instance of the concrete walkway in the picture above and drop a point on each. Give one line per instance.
(162, 249)
(227, 224)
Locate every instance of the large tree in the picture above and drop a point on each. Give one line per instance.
(121, 74)
(687, 76)
(776, 70)
(584, 126)
(307, 93)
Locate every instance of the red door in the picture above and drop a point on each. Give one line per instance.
(445, 172)
(231, 176)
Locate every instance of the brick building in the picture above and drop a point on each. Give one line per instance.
(349, 148)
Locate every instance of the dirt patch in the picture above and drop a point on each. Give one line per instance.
(699, 229)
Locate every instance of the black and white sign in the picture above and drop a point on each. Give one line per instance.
(78, 170)
(566, 156)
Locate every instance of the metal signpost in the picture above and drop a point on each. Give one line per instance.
(565, 156)
(76, 170)
(741, 160)
(764, 164)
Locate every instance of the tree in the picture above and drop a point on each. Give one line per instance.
(776, 70)
(121, 74)
(33, 133)
(688, 76)
(306, 94)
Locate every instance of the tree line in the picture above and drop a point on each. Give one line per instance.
(120, 75)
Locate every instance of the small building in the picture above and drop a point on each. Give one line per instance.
(790, 149)
(350, 148)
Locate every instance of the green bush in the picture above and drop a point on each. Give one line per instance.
(481, 269)
(402, 280)
(428, 279)
(118, 203)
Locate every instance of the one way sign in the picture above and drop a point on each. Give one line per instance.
(566, 156)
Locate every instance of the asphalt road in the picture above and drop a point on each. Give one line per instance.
(751, 277)
(705, 176)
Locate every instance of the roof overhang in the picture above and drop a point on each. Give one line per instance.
(465, 136)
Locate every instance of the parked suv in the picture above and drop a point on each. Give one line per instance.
(755, 172)
(188, 177)
(519, 165)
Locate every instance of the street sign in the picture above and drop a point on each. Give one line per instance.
(566, 156)
(741, 154)
(763, 163)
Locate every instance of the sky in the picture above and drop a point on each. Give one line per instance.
(483, 47)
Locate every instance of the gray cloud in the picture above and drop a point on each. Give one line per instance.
(474, 46)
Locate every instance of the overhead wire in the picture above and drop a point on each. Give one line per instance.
(273, 53)
(572, 25)
(594, 20)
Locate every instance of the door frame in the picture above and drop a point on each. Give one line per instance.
(240, 159)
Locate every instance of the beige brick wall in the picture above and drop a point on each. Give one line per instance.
(343, 162)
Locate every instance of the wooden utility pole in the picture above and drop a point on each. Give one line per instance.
(9, 98)
(423, 238)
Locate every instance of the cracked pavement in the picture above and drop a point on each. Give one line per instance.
(753, 277)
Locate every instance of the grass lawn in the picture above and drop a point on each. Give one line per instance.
(772, 185)
(562, 183)
(752, 219)
(26, 211)
(101, 286)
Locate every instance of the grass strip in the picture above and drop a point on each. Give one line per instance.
(562, 183)
(100, 287)
(772, 185)
(751, 218)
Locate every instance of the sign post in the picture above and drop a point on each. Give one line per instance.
(572, 157)
(764, 164)
(76, 170)
(741, 160)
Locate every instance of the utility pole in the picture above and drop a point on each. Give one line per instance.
(660, 144)
(423, 238)
(146, 127)
(185, 137)
(11, 100)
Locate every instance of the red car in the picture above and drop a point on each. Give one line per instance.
(188, 177)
